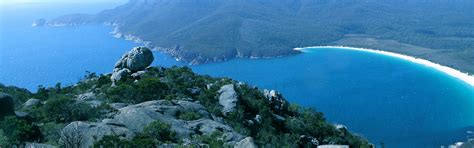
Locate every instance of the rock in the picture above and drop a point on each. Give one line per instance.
(258, 118)
(38, 23)
(7, 105)
(39, 145)
(118, 74)
(31, 102)
(132, 119)
(86, 97)
(94, 103)
(137, 59)
(276, 100)
(468, 144)
(246, 143)
(118, 106)
(21, 114)
(279, 118)
(307, 141)
(227, 98)
(138, 74)
(82, 134)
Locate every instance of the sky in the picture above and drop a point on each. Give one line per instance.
(72, 1)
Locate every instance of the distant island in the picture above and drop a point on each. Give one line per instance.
(208, 31)
(141, 106)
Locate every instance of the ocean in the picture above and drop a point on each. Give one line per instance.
(385, 99)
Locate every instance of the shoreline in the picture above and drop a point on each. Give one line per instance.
(465, 77)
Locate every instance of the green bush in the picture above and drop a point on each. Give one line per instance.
(160, 132)
(19, 131)
(150, 89)
(110, 141)
(52, 132)
(189, 115)
(121, 93)
(63, 109)
(3, 139)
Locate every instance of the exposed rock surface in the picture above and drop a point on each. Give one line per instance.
(246, 143)
(132, 119)
(84, 134)
(137, 59)
(132, 63)
(31, 102)
(86, 97)
(6, 105)
(227, 98)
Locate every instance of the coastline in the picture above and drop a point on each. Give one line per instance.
(466, 77)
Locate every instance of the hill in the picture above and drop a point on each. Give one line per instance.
(201, 31)
(141, 106)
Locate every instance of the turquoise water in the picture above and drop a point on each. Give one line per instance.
(386, 99)
(32, 56)
(382, 98)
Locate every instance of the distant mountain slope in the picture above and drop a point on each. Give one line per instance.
(201, 31)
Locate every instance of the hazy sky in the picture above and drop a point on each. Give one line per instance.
(75, 1)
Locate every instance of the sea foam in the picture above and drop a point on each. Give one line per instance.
(469, 79)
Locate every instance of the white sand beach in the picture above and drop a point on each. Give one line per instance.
(469, 79)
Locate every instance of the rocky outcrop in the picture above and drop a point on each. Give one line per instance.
(137, 59)
(82, 134)
(468, 144)
(227, 98)
(130, 120)
(132, 63)
(7, 106)
(246, 143)
(31, 103)
(276, 100)
(38, 23)
(86, 97)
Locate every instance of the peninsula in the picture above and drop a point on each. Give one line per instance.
(202, 31)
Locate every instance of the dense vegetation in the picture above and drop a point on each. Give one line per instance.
(61, 107)
(208, 30)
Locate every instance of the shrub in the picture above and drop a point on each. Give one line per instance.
(150, 89)
(160, 132)
(62, 109)
(19, 131)
(121, 93)
(110, 141)
(189, 115)
(3, 139)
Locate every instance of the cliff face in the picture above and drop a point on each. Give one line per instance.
(152, 106)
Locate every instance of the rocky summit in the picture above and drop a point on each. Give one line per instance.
(142, 106)
(132, 63)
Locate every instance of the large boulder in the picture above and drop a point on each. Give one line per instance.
(137, 59)
(31, 103)
(7, 105)
(82, 134)
(132, 63)
(227, 98)
(118, 74)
